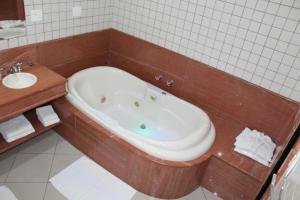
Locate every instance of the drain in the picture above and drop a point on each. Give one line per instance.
(137, 104)
(103, 99)
(143, 126)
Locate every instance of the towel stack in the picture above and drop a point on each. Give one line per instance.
(5, 24)
(47, 115)
(15, 128)
(255, 145)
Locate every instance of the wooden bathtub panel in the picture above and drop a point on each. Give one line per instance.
(68, 69)
(127, 162)
(148, 53)
(66, 50)
(146, 72)
(228, 182)
(258, 108)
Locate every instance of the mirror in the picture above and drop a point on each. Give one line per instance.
(12, 19)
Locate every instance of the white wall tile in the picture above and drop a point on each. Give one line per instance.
(58, 22)
(256, 40)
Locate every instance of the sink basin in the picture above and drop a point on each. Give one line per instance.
(19, 80)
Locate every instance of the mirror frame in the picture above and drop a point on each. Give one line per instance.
(12, 10)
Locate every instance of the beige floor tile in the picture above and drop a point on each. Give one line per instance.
(64, 147)
(61, 161)
(30, 168)
(6, 162)
(210, 196)
(28, 191)
(53, 194)
(141, 196)
(196, 195)
(44, 143)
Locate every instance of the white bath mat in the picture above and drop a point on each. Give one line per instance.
(6, 194)
(86, 180)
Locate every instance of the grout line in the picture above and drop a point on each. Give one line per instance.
(53, 156)
(11, 167)
(203, 193)
(26, 182)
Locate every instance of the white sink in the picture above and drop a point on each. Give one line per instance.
(19, 80)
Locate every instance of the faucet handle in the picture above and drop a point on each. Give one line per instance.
(1, 72)
(19, 66)
(158, 77)
(169, 83)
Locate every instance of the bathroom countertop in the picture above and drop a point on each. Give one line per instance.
(49, 86)
(227, 130)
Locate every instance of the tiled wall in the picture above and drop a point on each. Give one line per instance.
(257, 40)
(58, 21)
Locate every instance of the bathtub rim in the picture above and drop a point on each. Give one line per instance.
(204, 130)
(211, 135)
(193, 144)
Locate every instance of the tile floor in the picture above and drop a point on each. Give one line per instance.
(27, 168)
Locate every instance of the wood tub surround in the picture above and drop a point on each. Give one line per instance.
(148, 174)
(13, 102)
(231, 103)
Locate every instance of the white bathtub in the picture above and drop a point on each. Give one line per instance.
(147, 117)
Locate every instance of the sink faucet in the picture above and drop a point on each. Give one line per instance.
(16, 68)
(158, 77)
(169, 83)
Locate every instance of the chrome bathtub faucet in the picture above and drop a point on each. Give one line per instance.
(169, 83)
(158, 77)
(16, 68)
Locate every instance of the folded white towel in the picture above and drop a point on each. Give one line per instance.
(255, 145)
(50, 122)
(11, 23)
(251, 155)
(13, 138)
(46, 115)
(6, 194)
(18, 132)
(48, 118)
(15, 127)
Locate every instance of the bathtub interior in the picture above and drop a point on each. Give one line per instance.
(137, 106)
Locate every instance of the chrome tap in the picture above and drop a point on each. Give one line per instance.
(1, 73)
(16, 68)
(158, 77)
(169, 83)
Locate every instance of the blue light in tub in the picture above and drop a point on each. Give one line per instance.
(142, 130)
(145, 132)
